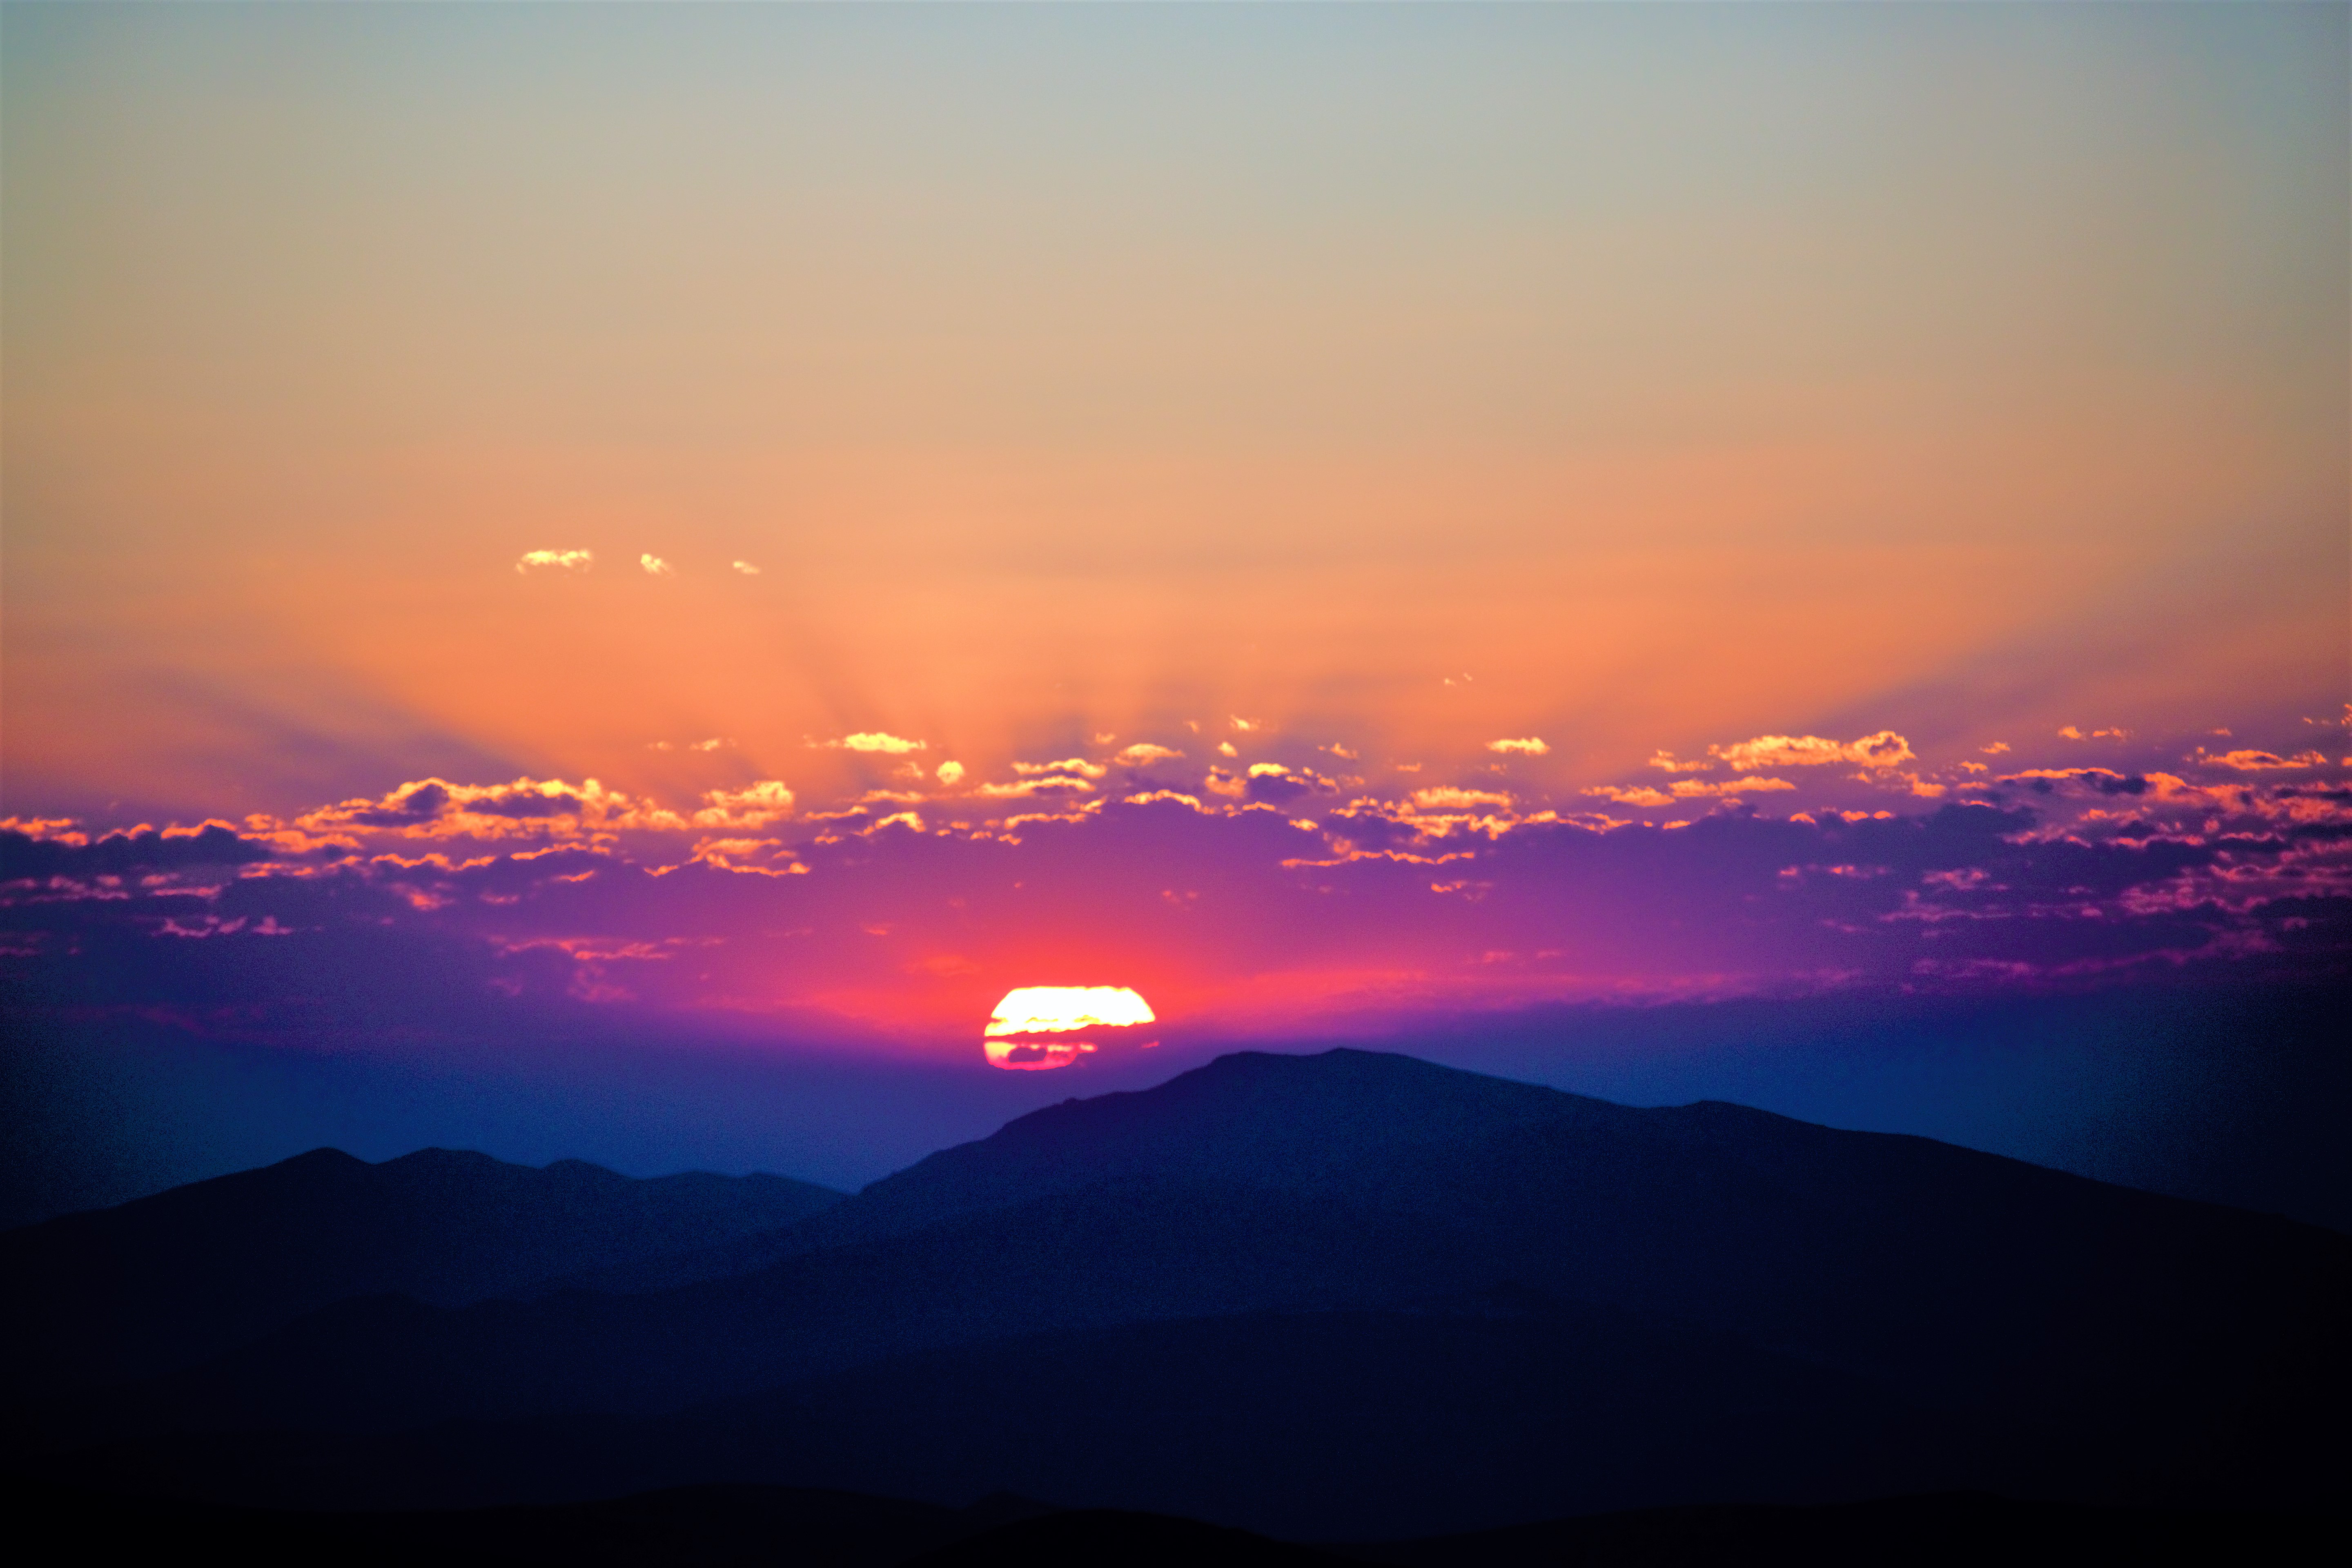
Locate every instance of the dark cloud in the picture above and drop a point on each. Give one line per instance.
(24, 857)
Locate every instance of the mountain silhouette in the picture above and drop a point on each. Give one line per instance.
(188, 1274)
(1349, 1295)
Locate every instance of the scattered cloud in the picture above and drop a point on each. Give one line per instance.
(1030, 788)
(1881, 751)
(754, 805)
(1078, 765)
(562, 560)
(1994, 750)
(2251, 762)
(510, 891)
(872, 741)
(1447, 797)
(1227, 749)
(1635, 795)
(745, 567)
(1143, 752)
(950, 773)
(1692, 789)
(1530, 746)
(1271, 784)
(655, 566)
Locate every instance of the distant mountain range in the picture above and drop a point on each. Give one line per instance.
(177, 1279)
(1342, 1296)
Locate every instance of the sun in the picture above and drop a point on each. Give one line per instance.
(1053, 1026)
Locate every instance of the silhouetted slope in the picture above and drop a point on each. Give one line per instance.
(2083, 1336)
(741, 1526)
(1092, 1536)
(707, 1527)
(1315, 1423)
(185, 1275)
(1962, 1529)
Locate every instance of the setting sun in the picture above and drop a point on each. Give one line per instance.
(1033, 1027)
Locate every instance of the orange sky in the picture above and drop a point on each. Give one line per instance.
(1674, 377)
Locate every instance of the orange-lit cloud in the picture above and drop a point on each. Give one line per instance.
(873, 740)
(754, 805)
(1634, 794)
(655, 566)
(1530, 746)
(1451, 798)
(1883, 749)
(1078, 765)
(1693, 789)
(2248, 762)
(565, 560)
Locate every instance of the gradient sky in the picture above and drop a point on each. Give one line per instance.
(1326, 515)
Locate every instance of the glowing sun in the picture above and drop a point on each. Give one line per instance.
(1053, 1026)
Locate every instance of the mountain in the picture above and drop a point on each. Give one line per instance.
(187, 1275)
(740, 1526)
(1349, 1295)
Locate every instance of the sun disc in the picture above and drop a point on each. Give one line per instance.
(1038, 1027)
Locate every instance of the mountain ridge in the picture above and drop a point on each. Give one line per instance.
(1280, 1205)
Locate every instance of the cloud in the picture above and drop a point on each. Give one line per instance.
(2252, 762)
(950, 773)
(1144, 751)
(1994, 750)
(2103, 781)
(2092, 879)
(565, 560)
(1881, 751)
(1247, 725)
(1636, 794)
(1529, 747)
(1030, 788)
(61, 852)
(1078, 765)
(655, 566)
(745, 567)
(525, 807)
(1271, 784)
(1692, 789)
(1446, 797)
(754, 805)
(872, 741)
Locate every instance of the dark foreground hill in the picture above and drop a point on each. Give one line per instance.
(728, 1526)
(1346, 1296)
(187, 1275)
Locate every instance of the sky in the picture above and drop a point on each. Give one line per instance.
(743, 534)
